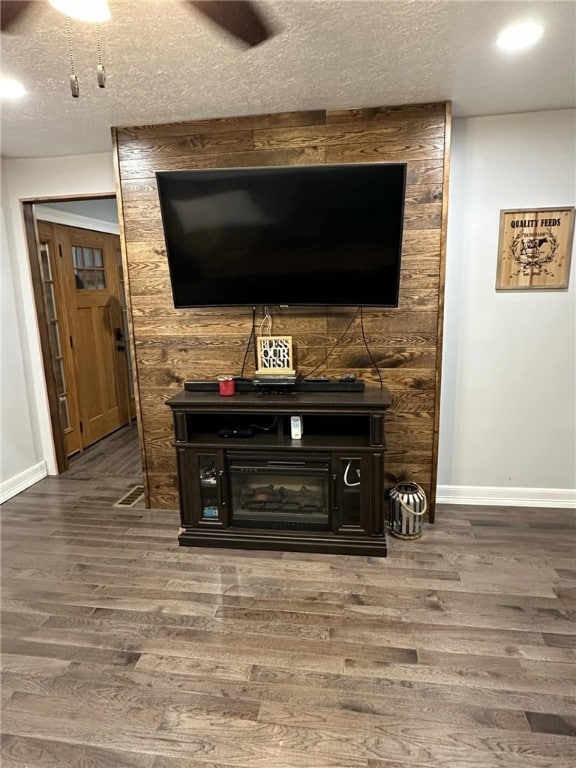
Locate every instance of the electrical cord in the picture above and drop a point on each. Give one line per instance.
(266, 321)
(265, 429)
(368, 348)
(347, 482)
(322, 362)
(252, 335)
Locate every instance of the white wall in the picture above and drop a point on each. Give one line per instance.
(28, 179)
(20, 461)
(508, 415)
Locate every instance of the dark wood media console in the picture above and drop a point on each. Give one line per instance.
(245, 483)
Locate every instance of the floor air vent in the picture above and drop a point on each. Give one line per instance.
(131, 498)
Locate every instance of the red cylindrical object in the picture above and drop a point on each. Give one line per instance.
(226, 385)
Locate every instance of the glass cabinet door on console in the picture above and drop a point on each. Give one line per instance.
(208, 482)
(351, 484)
(203, 473)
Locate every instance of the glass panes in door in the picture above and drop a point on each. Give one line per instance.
(88, 265)
(49, 295)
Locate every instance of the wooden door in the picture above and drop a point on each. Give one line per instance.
(92, 300)
(97, 332)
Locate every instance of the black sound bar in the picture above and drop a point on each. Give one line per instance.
(242, 385)
(304, 385)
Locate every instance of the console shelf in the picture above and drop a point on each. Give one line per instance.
(272, 441)
(265, 490)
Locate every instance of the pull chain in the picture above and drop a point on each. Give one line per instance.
(74, 84)
(100, 73)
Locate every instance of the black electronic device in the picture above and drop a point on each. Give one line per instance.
(236, 433)
(201, 386)
(298, 235)
(197, 385)
(273, 382)
(312, 385)
(321, 384)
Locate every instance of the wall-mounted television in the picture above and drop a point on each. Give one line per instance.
(298, 235)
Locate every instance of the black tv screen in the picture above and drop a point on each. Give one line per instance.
(323, 235)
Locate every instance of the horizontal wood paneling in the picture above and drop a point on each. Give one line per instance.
(410, 113)
(382, 152)
(146, 167)
(224, 124)
(202, 143)
(172, 345)
(375, 134)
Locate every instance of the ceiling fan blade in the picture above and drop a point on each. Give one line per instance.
(239, 17)
(10, 11)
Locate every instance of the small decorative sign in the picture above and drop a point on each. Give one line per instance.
(274, 355)
(535, 248)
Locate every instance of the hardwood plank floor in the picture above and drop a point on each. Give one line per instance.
(121, 649)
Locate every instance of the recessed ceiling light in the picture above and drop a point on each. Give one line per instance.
(519, 36)
(11, 89)
(84, 10)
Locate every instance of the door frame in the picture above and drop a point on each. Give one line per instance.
(32, 240)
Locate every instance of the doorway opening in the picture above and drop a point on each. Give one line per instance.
(81, 297)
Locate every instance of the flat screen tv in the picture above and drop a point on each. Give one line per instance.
(299, 235)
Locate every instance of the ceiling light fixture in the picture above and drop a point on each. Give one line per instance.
(11, 88)
(84, 10)
(519, 36)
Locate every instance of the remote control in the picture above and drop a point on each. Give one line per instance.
(296, 427)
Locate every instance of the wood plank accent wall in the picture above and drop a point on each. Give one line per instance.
(172, 345)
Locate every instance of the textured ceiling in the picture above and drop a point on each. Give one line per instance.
(166, 64)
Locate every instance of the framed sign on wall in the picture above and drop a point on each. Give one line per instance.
(534, 249)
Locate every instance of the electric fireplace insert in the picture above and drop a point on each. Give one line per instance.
(280, 492)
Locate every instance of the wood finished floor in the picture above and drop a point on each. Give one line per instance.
(121, 649)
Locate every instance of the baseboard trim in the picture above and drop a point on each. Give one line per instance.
(22, 480)
(560, 498)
